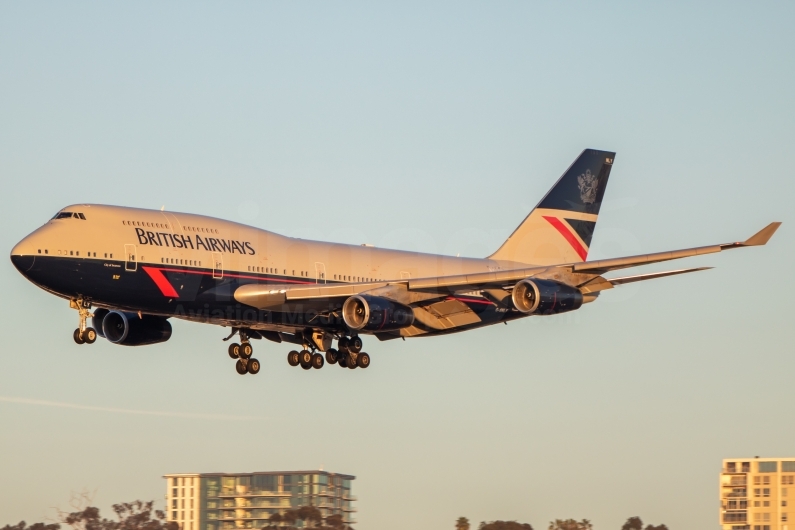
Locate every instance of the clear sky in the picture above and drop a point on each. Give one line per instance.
(425, 126)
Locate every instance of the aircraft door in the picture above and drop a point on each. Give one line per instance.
(320, 272)
(218, 265)
(130, 261)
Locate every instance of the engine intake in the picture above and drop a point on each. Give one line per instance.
(545, 297)
(128, 329)
(373, 313)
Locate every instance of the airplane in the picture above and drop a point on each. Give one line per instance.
(130, 270)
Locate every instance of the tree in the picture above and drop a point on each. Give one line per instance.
(309, 514)
(34, 526)
(136, 515)
(570, 524)
(633, 523)
(462, 524)
(504, 525)
(335, 521)
(275, 519)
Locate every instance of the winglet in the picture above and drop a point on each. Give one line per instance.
(763, 236)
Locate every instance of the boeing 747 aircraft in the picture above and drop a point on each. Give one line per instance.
(130, 270)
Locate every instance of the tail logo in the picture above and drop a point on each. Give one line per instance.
(588, 182)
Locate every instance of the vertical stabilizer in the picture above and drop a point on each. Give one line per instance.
(560, 228)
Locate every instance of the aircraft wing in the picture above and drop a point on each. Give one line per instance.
(592, 267)
(588, 273)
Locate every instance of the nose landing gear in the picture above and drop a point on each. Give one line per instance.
(83, 334)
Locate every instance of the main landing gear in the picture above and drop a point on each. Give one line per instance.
(242, 352)
(348, 355)
(83, 334)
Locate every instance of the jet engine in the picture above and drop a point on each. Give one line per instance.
(545, 297)
(373, 313)
(128, 329)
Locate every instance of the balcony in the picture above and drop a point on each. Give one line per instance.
(226, 494)
(735, 517)
(737, 493)
(730, 481)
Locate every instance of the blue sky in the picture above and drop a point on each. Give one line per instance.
(424, 126)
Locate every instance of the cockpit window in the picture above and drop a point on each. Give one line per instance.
(68, 215)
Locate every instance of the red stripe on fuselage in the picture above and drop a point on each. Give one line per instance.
(161, 281)
(566, 233)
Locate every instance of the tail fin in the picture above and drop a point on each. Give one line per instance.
(560, 228)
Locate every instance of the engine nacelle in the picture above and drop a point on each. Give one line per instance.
(127, 329)
(373, 313)
(545, 297)
(96, 320)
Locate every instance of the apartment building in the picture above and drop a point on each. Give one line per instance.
(227, 501)
(757, 494)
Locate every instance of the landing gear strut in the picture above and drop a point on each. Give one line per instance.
(242, 352)
(83, 334)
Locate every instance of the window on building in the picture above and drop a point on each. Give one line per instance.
(766, 480)
(768, 467)
(766, 492)
(757, 481)
(788, 466)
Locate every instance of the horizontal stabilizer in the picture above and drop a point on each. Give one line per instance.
(653, 275)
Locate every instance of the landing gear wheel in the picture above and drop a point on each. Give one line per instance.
(294, 358)
(355, 344)
(77, 336)
(331, 356)
(363, 360)
(246, 350)
(306, 359)
(253, 366)
(89, 335)
(240, 366)
(234, 350)
(342, 344)
(343, 361)
(317, 361)
(351, 361)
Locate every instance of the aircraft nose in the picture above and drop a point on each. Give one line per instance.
(22, 263)
(21, 257)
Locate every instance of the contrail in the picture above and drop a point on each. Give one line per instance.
(26, 401)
